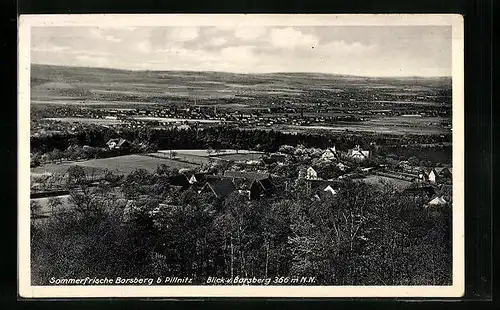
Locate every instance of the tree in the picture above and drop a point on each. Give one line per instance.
(35, 208)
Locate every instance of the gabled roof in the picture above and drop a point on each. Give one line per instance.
(221, 187)
(437, 201)
(247, 175)
(322, 184)
(179, 180)
(429, 190)
(118, 142)
(355, 152)
(198, 177)
(266, 185)
(122, 142)
(311, 169)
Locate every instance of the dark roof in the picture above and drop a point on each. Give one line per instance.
(266, 184)
(200, 176)
(119, 142)
(324, 183)
(179, 180)
(221, 187)
(324, 195)
(429, 190)
(247, 175)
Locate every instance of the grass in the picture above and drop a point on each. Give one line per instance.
(238, 157)
(377, 179)
(120, 164)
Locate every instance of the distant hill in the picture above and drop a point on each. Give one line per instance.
(55, 82)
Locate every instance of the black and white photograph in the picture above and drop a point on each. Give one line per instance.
(241, 155)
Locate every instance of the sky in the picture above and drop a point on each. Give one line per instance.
(354, 50)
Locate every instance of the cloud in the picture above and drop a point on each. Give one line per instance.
(342, 47)
(49, 48)
(143, 46)
(250, 33)
(238, 54)
(291, 38)
(99, 34)
(218, 41)
(184, 34)
(112, 39)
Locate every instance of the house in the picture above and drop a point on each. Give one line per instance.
(433, 176)
(438, 174)
(341, 166)
(427, 191)
(443, 172)
(326, 193)
(358, 154)
(219, 187)
(324, 189)
(311, 174)
(197, 178)
(257, 184)
(249, 175)
(330, 154)
(437, 201)
(118, 144)
(261, 187)
(180, 181)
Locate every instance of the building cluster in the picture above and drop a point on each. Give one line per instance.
(252, 185)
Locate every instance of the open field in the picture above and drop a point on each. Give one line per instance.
(377, 179)
(363, 127)
(62, 168)
(207, 153)
(192, 159)
(240, 157)
(120, 164)
(84, 120)
(175, 120)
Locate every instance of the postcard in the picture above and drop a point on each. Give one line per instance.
(241, 155)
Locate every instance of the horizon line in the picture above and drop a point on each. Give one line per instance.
(255, 73)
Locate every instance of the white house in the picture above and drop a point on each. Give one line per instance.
(358, 154)
(330, 154)
(311, 174)
(331, 190)
(438, 201)
(432, 176)
(341, 166)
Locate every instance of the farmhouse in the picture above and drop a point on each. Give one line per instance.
(256, 184)
(324, 188)
(219, 187)
(246, 175)
(358, 154)
(118, 144)
(330, 154)
(197, 178)
(311, 174)
(437, 201)
(421, 191)
(261, 187)
(180, 181)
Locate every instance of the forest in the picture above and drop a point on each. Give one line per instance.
(224, 137)
(365, 235)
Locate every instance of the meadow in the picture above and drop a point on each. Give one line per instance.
(120, 164)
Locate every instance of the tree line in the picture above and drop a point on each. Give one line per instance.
(365, 235)
(218, 137)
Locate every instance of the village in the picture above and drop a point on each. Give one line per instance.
(255, 174)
